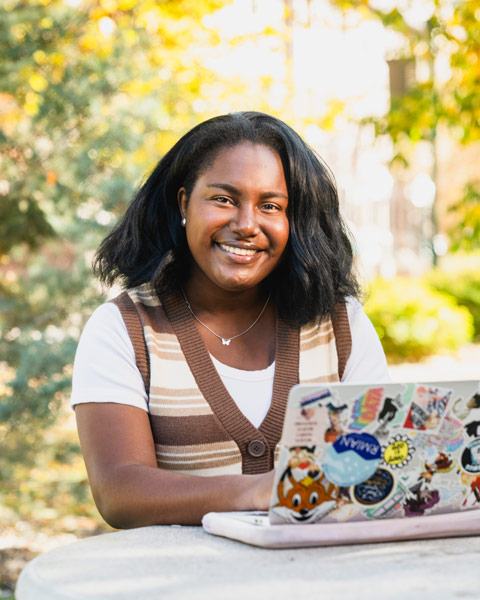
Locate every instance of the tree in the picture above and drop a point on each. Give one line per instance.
(446, 34)
(90, 96)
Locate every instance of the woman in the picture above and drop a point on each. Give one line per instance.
(239, 281)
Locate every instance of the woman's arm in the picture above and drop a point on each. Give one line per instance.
(130, 491)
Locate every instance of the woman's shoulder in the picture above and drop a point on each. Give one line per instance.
(104, 323)
(354, 306)
(354, 309)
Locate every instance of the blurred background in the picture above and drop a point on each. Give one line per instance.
(93, 92)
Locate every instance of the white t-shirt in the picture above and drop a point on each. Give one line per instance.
(105, 368)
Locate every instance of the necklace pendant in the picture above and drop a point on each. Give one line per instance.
(226, 342)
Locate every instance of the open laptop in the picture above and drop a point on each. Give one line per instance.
(370, 462)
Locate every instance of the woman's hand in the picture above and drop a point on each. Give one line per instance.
(259, 491)
(131, 491)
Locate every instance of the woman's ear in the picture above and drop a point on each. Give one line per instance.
(182, 202)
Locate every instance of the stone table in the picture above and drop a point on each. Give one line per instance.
(186, 562)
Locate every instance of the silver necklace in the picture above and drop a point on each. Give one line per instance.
(225, 341)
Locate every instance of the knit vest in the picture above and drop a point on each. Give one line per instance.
(197, 427)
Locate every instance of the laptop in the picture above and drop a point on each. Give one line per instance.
(367, 463)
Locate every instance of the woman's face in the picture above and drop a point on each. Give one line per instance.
(237, 227)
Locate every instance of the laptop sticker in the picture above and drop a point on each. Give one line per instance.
(352, 459)
(427, 408)
(337, 419)
(398, 452)
(462, 408)
(307, 423)
(303, 493)
(366, 408)
(392, 506)
(473, 428)
(472, 493)
(449, 438)
(422, 496)
(303, 462)
(374, 489)
(471, 457)
(387, 415)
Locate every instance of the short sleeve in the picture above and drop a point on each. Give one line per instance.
(367, 362)
(104, 368)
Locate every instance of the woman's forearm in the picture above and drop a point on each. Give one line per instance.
(137, 495)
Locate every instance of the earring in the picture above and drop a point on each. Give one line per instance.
(184, 222)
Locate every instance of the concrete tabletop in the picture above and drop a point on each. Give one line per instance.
(186, 562)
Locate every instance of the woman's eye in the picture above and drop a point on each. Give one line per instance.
(222, 199)
(270, 207)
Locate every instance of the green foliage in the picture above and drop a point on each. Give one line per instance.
(465, 234)
(90, 98)
(51, 485)
(452, 30)
(414, 321)
(464, 286)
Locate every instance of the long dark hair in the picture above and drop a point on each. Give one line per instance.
(149, 244)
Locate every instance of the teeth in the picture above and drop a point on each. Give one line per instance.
(239, 251)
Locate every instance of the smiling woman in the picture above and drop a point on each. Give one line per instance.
(236, 218)
(238, 275)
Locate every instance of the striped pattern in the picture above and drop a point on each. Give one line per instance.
(197, 427)
(171, 403)
(218, 458)
(318, 354)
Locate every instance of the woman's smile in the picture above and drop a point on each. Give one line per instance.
(236, 218)
(238, 253)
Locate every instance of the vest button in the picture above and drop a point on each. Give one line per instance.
(256, 448)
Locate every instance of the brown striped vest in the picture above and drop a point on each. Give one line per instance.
(196, 425)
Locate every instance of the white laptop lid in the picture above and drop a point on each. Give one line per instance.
(352, 452)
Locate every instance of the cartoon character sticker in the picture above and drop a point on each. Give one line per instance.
(303, 462)
(308, 500)
(335, 429)
(471, 457)
(421, 496)
(302, 494)
(427, 408)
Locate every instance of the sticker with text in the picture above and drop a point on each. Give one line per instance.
(366, 408)
(352, 459)
(398, 452)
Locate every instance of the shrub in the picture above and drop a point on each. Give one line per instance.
(414, 321)
(464, 286)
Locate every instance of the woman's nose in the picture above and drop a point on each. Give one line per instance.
(245, 222)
